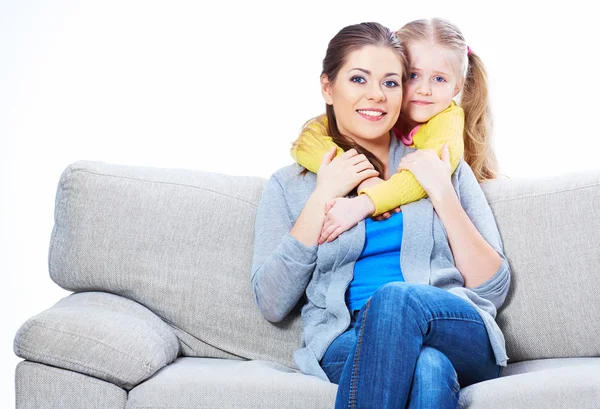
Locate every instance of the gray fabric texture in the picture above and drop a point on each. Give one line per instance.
(205, 383)
(558, 386)
(549, 364)
(285, 271)
(551, 233)
(176, 241)
(39, 386)
(99, 334)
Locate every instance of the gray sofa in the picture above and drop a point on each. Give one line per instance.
(162, 314)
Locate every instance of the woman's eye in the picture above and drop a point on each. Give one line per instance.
(413, 76)
(358, 80)
(390, 83)
(439, 79)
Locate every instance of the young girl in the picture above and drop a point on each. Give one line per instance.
(440, 67)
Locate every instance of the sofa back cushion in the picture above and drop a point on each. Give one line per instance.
(550, 228)
(179, 242)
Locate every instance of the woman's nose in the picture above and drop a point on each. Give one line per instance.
(375, 93)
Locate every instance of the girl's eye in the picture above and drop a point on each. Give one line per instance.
(413, 76)
(391, 83)
(358, 79)
(439, 79)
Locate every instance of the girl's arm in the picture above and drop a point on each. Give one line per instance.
(312, 144)
(403, 187)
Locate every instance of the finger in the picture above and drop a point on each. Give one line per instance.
(328, 157)
(366, 174)
(325, 233)
(335, 234)
(387, 215)
(359, 167)
(397, 210)
(350, 153)
(445, 154)
(358, 159)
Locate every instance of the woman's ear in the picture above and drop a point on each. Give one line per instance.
(326, 89)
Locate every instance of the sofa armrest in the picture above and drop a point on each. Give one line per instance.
(99, 334)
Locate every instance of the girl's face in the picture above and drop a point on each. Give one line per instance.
(432, 81)
(367, 94)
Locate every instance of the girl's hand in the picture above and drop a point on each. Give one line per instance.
(432, 173)
(342, 214)
(337, 177)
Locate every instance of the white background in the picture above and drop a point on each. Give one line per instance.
(225, 86)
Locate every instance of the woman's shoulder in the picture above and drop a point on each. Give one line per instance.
(292, 174)
(294, 180)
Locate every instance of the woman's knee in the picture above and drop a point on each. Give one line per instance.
(397, 295)
(433, 367)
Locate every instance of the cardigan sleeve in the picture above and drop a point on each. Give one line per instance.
(477, 208)
(281, 265)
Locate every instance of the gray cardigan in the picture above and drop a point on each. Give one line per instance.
(284, 270)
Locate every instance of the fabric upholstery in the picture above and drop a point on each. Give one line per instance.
(177, 241)
(205, 383)
(41, 386)
(558, 386)
(551, 233)
(99, 334)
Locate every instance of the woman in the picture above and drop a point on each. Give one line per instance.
(428, 328)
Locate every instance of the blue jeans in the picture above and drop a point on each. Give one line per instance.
(410, 346)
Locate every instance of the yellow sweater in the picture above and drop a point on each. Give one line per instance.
(402, 187)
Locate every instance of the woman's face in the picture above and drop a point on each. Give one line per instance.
(367, 94)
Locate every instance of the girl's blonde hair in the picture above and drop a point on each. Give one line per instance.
(474, 97)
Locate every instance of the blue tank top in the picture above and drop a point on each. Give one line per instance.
(379, 262)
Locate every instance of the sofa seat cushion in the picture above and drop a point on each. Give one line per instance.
(198, 383)
(540, 384)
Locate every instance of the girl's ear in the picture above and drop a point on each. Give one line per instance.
(326, 90)
(458, 88)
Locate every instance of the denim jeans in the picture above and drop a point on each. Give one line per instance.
(410, 346)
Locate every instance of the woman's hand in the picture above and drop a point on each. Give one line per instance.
(338, 176)
(342, 214)
(386, 215)
(432, 173)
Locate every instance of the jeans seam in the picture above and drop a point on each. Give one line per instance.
(353, 379)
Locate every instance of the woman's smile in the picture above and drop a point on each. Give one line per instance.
(372, 114)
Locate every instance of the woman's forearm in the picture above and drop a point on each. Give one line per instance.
(475, 259)
(308, 226)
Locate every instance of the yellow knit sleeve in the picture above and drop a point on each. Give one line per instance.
(402, 187)
(312, 144)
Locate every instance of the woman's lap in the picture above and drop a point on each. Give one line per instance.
(453, 327)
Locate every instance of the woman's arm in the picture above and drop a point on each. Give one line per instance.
(475, 258)
(285, 250)
(282, 265)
